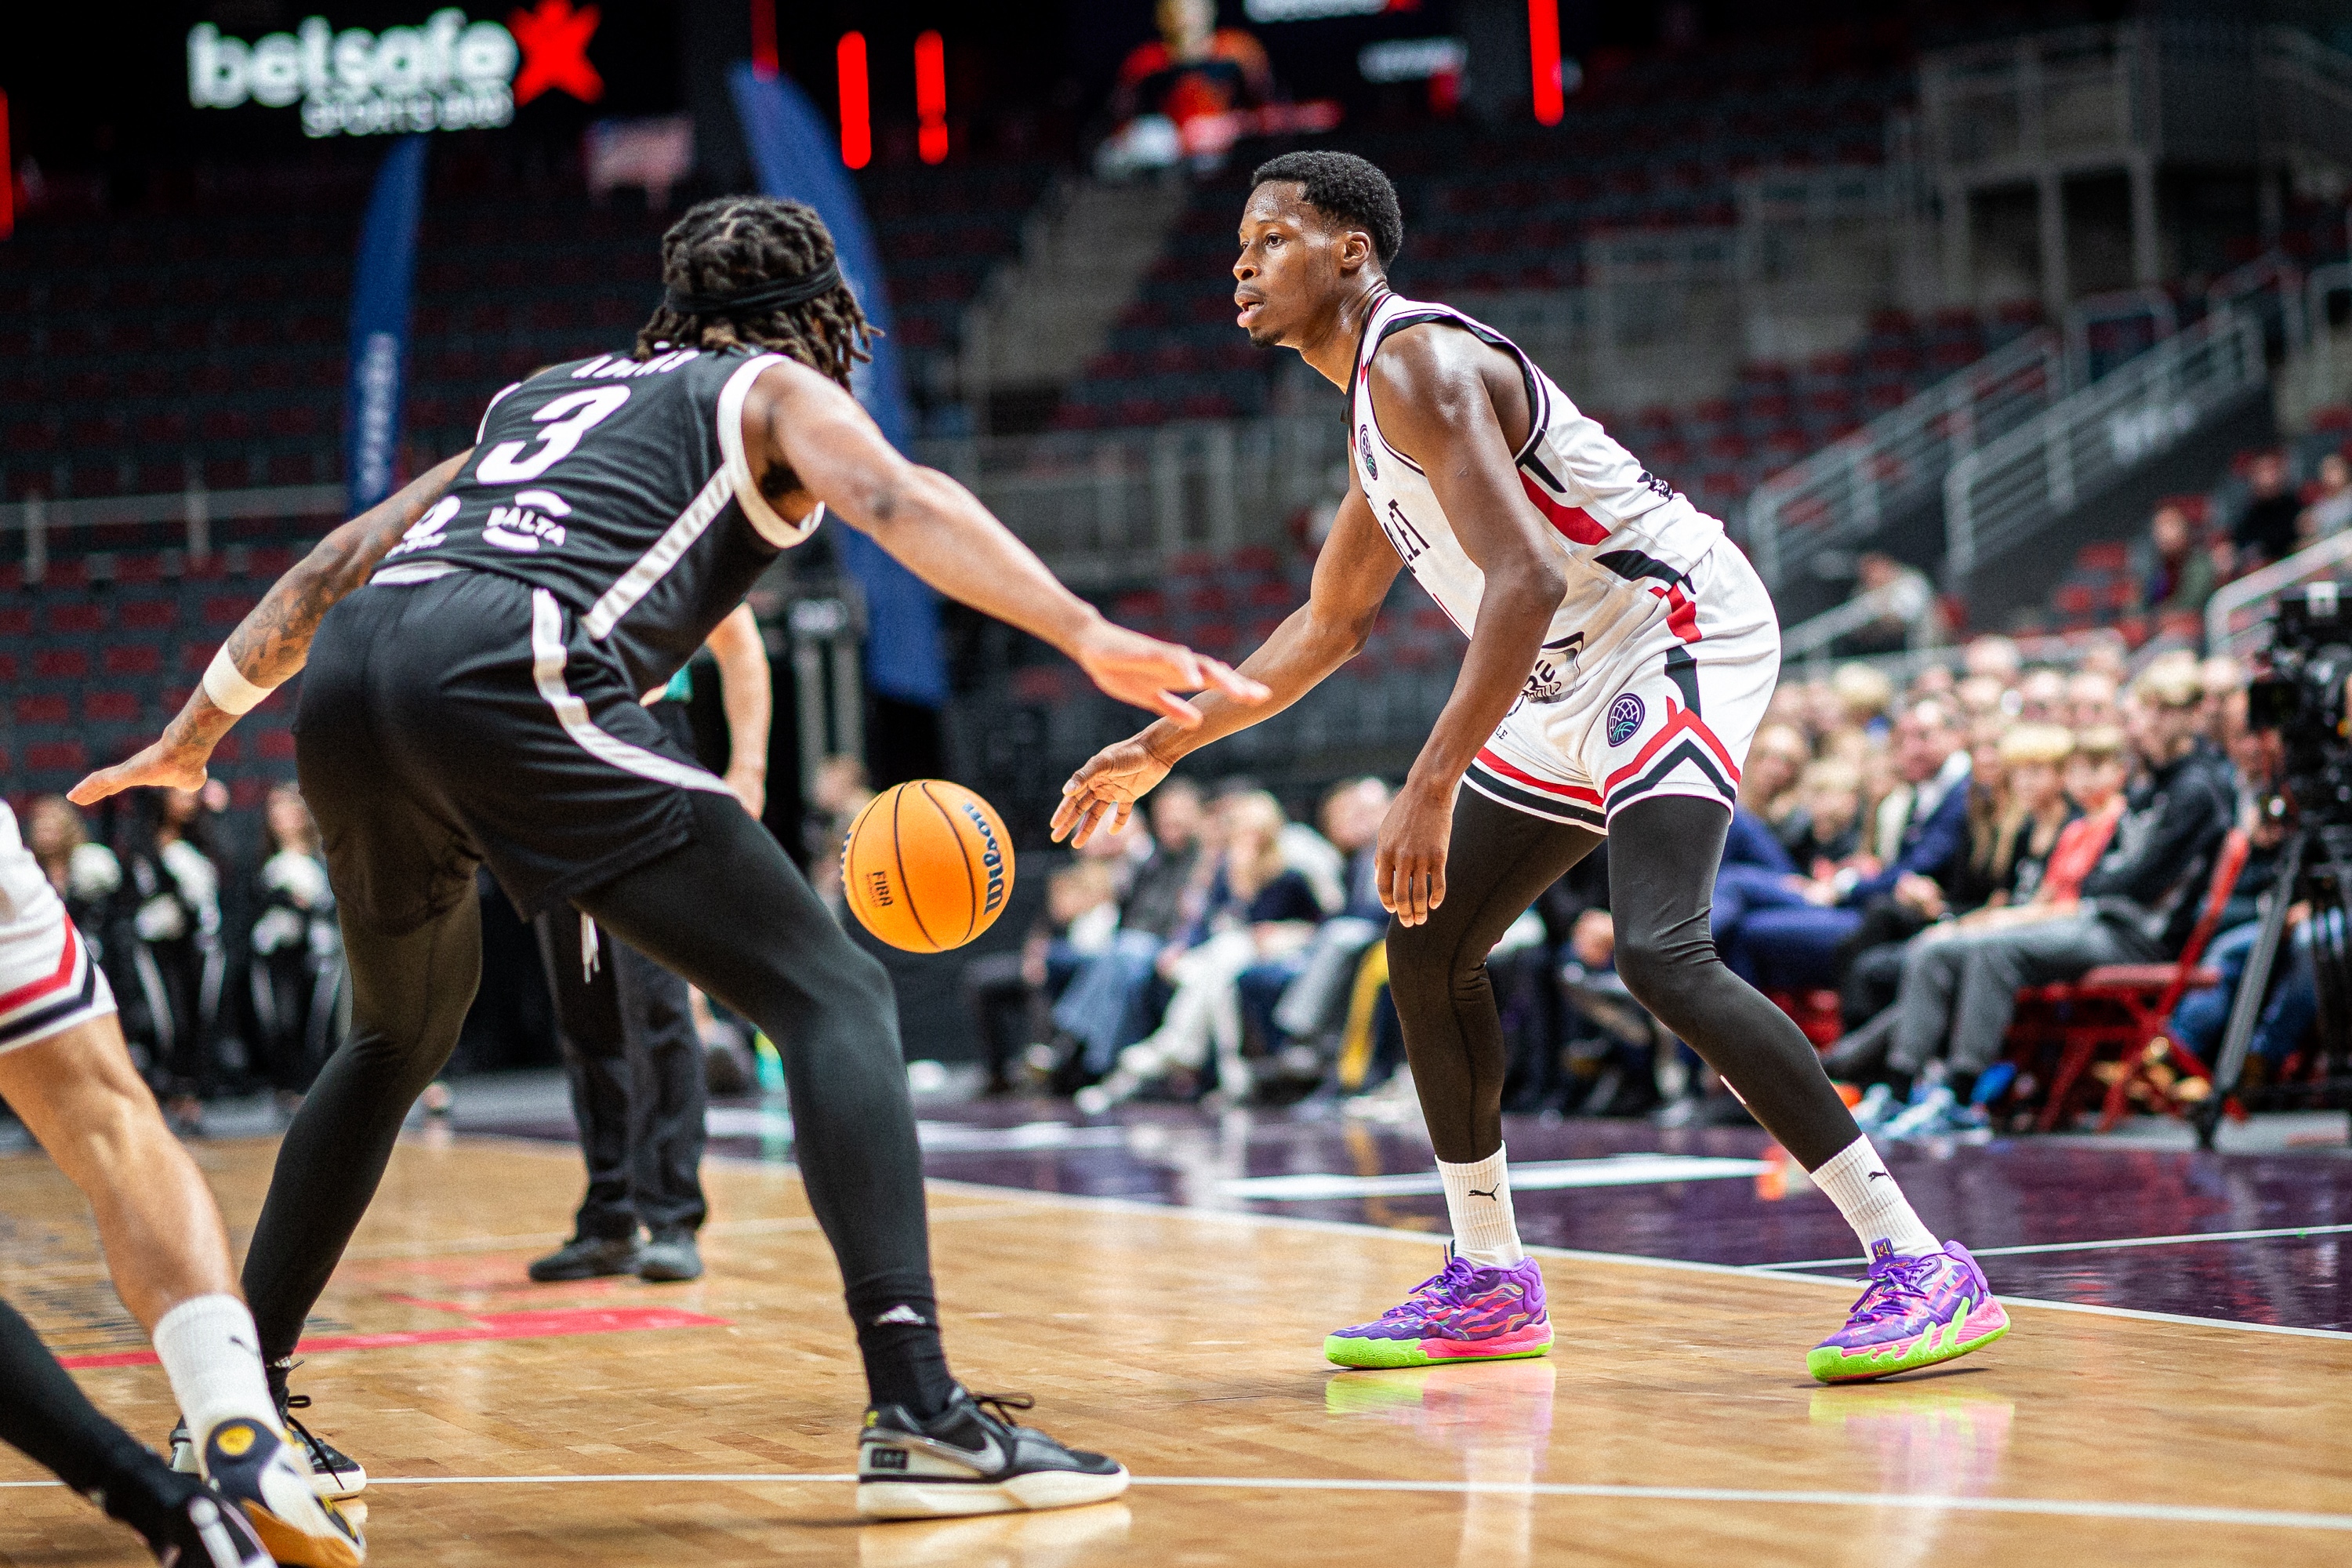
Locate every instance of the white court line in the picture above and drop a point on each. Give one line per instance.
(1626, 1259)
(2151, 1513)
(2185, 1239)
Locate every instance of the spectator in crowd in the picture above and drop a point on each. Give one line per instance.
(2267, 528)
(2091, 701)
(2329, 511)
(1824, 832)
(1921, 836)
(2041, 697)
(1996, 658)
(1257, 907)
(86, 876)
(2136, 906)
(171, 885)
(1775, 760)
(1010, 993)
(1104, 1007)
(1902, 603)
(296, 975)
(1864, 697)
(1298, 999)
(1176, 96)
(2179, 576)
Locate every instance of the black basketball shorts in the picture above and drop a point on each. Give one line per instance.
(468, 720)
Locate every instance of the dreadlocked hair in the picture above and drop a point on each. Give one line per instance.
(729, 244)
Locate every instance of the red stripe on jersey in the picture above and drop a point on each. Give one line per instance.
(56, 982)
(1681, 612)
(1683, 718)
(1573, 521)
(1493, 763)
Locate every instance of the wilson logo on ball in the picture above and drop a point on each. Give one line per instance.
(928, 866)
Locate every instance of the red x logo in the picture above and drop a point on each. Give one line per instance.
(554, 40)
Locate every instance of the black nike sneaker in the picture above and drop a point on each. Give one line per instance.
(200, 1532)
(972, 1458)
(334, 1475)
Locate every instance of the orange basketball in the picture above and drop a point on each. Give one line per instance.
(928, 866)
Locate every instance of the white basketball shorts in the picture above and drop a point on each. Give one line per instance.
(49, 981)
(1660, 694)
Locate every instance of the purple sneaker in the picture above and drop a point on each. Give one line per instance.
(1461, 1313)
(1917, 1312)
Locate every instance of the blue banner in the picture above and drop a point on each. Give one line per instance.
(797, 157)
(380, 298)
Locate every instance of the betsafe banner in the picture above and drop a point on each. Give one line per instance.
(441, 68)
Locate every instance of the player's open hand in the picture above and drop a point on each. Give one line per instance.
(1410, 866)
(1149, 673)
(163, 766)
(1102, 795)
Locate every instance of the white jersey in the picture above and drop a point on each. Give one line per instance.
(49, 981)
(1653, 617)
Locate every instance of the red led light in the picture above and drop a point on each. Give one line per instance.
(856, 127)
(764, 39)
(1543, 50)
(931, 98)
(7, 175)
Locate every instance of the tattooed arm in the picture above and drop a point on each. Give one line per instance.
(270, 646)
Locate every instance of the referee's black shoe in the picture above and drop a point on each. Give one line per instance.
(587, 1258)
(972, 1458)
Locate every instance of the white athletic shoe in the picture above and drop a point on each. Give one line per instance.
(263, 1473)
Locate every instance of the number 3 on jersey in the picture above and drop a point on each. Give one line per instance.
(505, 463)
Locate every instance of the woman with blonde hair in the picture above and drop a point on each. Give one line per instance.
(1257, 907)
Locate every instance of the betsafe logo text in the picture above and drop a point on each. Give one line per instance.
(448, 74)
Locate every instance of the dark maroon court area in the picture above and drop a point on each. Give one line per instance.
(2261, 1236)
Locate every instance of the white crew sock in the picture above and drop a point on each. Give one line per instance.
(1857, 1180)
(212, 1354)
(1478, 1203)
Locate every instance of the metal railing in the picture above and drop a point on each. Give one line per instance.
(2005, 491)
(1814, 636)
(1109, 508)
(2232, 623)
(195, 509)
(1844, 492)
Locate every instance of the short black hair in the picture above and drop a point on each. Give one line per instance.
(1349, 188)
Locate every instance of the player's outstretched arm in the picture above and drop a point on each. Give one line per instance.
(1352, 575)
(270, 646)
(799, 421)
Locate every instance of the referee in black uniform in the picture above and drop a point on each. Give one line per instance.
(476, 648)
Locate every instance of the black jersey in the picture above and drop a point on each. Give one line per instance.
(620, 486)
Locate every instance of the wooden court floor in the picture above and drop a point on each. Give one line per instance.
(584, 1425)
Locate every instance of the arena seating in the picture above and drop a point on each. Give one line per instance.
(202, 334)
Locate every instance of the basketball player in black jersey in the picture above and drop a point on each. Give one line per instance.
(475, 649)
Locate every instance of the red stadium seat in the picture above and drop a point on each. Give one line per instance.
(56, 756)
(114, 706)
(2122, 1007)
(132, 658)
(61, 663)
(147, 614)
(76, 620)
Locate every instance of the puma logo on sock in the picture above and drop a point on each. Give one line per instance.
(903, 1313)
(1487, 1193)
(1877, 1176)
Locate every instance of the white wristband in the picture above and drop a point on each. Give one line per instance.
(230, 691)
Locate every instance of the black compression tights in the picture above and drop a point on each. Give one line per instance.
(1662, 855)
(729, 913)
(46, 1415)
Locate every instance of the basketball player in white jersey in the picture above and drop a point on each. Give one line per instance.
(66, 1071)
(1620, 655)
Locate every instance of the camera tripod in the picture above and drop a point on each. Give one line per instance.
(2314, 868)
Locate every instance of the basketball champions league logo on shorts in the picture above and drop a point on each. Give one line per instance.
(1364, 447)
(1625, 718)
